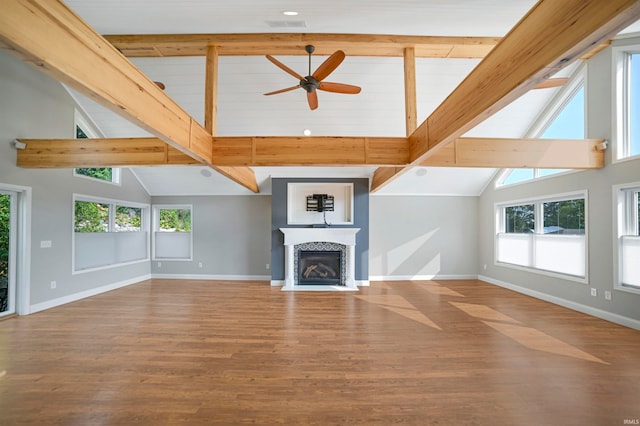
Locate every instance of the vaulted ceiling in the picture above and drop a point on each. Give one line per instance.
(378, 111)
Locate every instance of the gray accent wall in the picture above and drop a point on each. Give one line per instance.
(230, 237)
(279, 220)
(600, 211)
(422, 237)
(32, 105)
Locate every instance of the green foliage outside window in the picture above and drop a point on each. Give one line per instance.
(519, 219)
(128, 219)
(102, 173)
(564, 217)
(5, 212)
(175, 220)
(91, 217)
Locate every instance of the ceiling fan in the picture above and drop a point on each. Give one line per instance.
(313, 82)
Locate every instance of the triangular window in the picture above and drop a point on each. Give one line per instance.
(567, 123)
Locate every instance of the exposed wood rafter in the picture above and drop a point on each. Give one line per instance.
(523, 59)
(51, 37)
(232, 152)
(158, 45)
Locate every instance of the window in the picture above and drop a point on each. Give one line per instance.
(564, 120)
(172, 233)
(627, 247)
(108, 233)
(545, 235)
(627, 105)
(108, 174)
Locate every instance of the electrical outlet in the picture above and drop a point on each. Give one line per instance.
(159, 264)
(594, 292)
(199, 264)
(268, 266)
(45, 244)
(484, 266)
(53, 284)
(607, 295)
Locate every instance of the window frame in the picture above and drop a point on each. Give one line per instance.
(90, 130)
(625, 213)
(144, 228)
(156, 229)
(538, 203)
(546, 118)
(621, 102)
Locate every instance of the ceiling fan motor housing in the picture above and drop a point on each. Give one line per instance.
(309, 84)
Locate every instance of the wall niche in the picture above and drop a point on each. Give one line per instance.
(297, 193)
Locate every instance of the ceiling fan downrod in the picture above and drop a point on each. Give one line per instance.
(309, 83)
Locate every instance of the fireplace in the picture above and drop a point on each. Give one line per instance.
(319, 258)
(319, 267)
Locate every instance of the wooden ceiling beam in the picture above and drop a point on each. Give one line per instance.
(159, 45)
(113, 152)
(549, 37)
(393, 153)
(374, 45)
(51, 37)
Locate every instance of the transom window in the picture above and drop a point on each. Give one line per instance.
(547, 235)
(84, 130)
(566, 120)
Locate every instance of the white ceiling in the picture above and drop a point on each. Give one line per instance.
(377, 111)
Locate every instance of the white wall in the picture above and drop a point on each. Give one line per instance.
(33, 105)
(416, 237)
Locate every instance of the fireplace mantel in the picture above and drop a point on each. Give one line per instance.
(294, 236)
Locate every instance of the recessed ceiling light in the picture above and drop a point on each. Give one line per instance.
(421, 171)
(205, 172)
(307, 132)
(290, 13)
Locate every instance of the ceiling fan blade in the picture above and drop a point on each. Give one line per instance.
(312, 97)
(329, 65)
(283, 90)
(339, 88)
(552, 82)
(284, 67)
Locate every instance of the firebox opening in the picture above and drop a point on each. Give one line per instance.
(319, 267)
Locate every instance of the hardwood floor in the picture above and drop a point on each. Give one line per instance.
(425, 353)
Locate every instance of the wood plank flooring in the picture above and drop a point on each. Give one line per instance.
(167, 352)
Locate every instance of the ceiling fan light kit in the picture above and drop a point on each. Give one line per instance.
(313, 82)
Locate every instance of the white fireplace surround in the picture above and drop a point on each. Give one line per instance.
(294, 236)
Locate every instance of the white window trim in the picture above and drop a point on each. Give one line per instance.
(499, 226)
(620, 102)
(156, 228)
(145, 226)
(90, 130)
(545, 119)
(622, 217)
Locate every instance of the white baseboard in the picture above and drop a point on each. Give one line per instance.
(84, 294)
(362, 283)
(599, 313)
(421, 277)
(212, 277)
